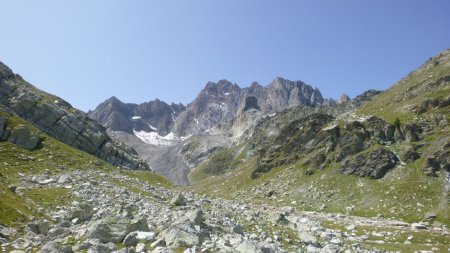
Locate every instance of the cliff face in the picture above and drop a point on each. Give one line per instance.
(153, 116)
(218, 103)
(59, 119)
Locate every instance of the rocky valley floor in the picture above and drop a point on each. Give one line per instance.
(107, 210)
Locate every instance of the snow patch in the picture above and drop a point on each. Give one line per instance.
(227, 93)
(136, 117)
(152, 127)
(154, 138)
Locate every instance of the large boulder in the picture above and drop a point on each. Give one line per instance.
(82, 212)
(373, 164)
(110, 229)
(24, 137)
(39, 226)
(183, 233)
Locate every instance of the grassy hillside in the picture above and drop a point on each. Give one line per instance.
(423, 89)
(53, 158)
(406, 192)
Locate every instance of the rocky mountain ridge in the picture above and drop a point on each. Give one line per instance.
(216, 104)
(59, 119)
(153, 116)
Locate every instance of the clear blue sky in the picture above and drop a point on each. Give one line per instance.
(86, 51)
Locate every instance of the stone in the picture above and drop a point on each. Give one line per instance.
(65, 178)
(178, 200)
(46, 181)
(133, 238)
(183, 233)
(248, 247)
(130, 240)
(49, 247)
(21, 243)
(82, 212)
(140, 247)
(7, 232)
(162, 250)
(109, 229)
(330, 248)
(39, 226)
(195, 216)
(138, 224)
(12, 188)
(430, 216)
(419, 225)
(307, 238)
(374, 164)
(24, 137)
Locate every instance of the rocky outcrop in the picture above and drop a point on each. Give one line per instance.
(373, 164)
(60, 120)
(344, 99)
(151, 116)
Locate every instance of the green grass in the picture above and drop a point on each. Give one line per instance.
(399, 100)
(149, 177)
(394, 238)
(50, 198)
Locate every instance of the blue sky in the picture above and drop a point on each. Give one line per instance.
(87, 51)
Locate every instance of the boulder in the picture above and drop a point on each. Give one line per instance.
(39, 226)
(178, 200)
(24, 137)
(110, 229)
(83, 212)
(248, 247)
(183, 233)
(307, 238)
(374, 164)
(195, 216)
(138, 224)
(49, 247)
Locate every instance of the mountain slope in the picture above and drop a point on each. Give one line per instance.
(59, 119)
(389, 158)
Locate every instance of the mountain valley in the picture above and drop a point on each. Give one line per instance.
(275, 168)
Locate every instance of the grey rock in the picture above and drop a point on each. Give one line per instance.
(183, 233)
(430, 216)
(39, 226)
(195, 216)
(83, 212)
(12, 188)
(110, 229)
(24, 137)
(130, 240)
(330, 248)
(178, 200)
(162, 250)
(374, 164)
(307, 238)
(138, 224)
(248, 247)
(140, 247)
(419, 225)
(49, 247)
(7, 232)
